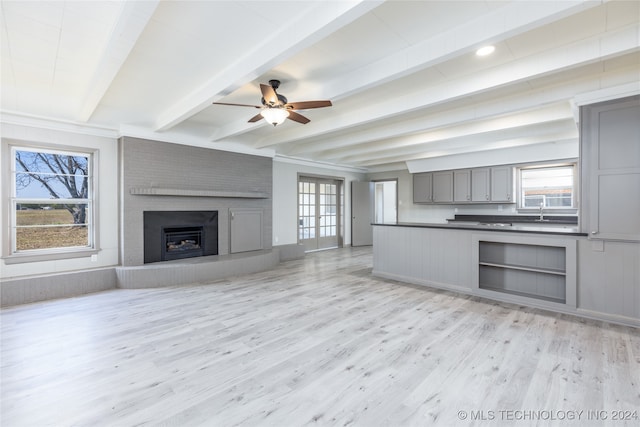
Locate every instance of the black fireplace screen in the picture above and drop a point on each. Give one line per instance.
(182, 242)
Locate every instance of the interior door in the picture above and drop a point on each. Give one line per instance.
(319, 210)
(362, 208)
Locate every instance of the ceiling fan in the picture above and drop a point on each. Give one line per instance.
(275, 107)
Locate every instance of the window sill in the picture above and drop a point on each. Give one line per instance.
(22, 258)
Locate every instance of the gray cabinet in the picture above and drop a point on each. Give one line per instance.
(502, 184)
(493, 184)
(433, 187)
(480, 185)
(610, 189)
(610, 154)
(422, 187)
(443, 187)
(245, 229)
(462, 185)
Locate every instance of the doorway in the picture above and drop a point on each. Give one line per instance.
(372, 202)
(386, 202)
(319, 212)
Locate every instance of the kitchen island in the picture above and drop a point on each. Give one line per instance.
(528, 264)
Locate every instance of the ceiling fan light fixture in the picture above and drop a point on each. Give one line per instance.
(275, 116)
(485, 50)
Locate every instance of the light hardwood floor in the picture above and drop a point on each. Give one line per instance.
(313, 342)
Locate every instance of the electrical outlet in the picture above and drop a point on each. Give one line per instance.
(94, 258)
(499, 208)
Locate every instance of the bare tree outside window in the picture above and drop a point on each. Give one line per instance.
(52, 199)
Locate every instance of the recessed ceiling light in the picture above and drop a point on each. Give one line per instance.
(485, 50)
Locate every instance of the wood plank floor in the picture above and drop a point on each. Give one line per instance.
(313, 342)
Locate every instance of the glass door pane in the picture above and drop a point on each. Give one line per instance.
(318, 213)
(328, 215)
(307, 210)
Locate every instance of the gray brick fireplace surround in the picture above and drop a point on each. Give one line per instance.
(156, 171)
(160, 176)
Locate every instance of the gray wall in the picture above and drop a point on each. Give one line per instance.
(62, 285)
(155, 164)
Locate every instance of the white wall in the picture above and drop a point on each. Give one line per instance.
(285, 192)
(407, 211)
(107, 192)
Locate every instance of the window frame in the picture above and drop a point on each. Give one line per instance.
(9, 253)
(553, 210)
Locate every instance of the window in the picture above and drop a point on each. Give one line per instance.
(52, 200)
(549, 187)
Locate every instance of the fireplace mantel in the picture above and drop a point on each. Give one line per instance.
(158, 191)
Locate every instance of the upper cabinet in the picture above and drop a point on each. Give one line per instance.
(610, 170)
(443, 187)
(462, 185)
(422, 187)
(502, 184)
(433, 187)
(480, 185)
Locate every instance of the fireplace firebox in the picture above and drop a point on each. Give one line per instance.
(170, 235)
(182, 242)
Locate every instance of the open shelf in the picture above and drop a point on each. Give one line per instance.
(526, 268)
(524, 294)
(534, 271)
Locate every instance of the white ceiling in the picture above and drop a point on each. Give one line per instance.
(402, 75)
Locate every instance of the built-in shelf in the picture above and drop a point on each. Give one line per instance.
(535, 271)
(526, 268)
(525, 294)
(156, 191)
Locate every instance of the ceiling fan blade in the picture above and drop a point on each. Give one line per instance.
(305, 105)
(236, 105)
(269, 94)
(256, 118)
(298, 117)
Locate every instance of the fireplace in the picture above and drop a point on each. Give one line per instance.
(170, 235)
(182, 242)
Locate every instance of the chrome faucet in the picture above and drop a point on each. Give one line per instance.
(541, 212)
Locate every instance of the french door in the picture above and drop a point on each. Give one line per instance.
(319, 212)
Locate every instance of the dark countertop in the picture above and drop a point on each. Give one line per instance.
(535, 219)
(534, 228)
